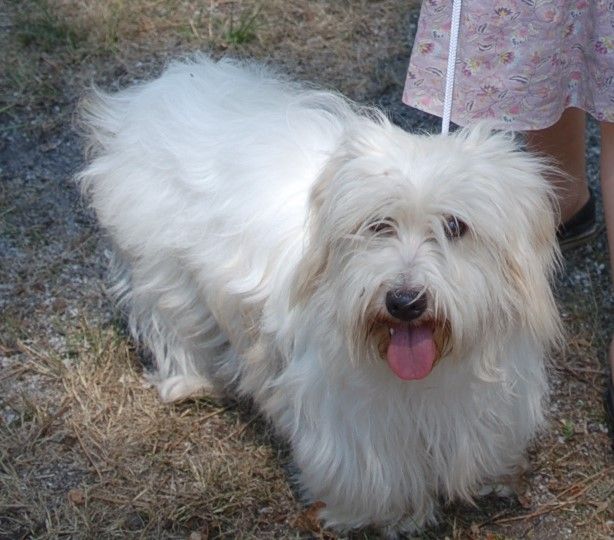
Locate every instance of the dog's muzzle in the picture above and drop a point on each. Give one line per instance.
(410, 347)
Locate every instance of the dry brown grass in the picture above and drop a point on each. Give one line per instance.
(56, 47)
(86, 450)
(96, 455)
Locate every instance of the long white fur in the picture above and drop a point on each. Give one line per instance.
(239, 205)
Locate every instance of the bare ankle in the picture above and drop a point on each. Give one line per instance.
(572, 203)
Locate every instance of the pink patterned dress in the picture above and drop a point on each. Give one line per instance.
(520, 62)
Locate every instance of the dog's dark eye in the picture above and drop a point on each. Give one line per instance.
(454, 227)
(383, 227)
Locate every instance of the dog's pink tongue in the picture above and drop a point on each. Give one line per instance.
(411, 352)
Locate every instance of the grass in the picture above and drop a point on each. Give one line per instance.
(86, 449)
(93, 453)
(41, 27)
(568, 429)
(143, 467)
(244, 30)
(54, 49)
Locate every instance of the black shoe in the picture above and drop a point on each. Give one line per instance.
(608, 404)
(580, 228)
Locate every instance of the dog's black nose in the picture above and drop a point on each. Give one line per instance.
(406, 305)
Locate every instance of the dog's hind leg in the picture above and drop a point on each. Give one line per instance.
(166, 313)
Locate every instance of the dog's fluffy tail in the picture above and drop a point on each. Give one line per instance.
(98, 120)
(99, 117)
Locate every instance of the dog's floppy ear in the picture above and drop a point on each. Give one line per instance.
(528, 277)
(532, 255)
(316, 251)
(526, 249)
(309, 273)
(336, 179)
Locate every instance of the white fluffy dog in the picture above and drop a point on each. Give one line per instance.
(383, 297)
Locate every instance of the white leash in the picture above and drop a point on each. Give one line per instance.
(447, 102)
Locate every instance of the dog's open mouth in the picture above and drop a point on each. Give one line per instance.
(412, 351)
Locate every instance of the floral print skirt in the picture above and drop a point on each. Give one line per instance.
(520, 63)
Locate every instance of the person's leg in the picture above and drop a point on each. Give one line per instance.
(564, 141)
(607, 184)
(607, 191)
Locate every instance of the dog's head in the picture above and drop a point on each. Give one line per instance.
(425, 246)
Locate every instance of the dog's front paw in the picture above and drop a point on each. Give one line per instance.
(507, 486)
(182, 387)
(408, 527)
(505, 491)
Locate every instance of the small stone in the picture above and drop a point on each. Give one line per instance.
(76, 496)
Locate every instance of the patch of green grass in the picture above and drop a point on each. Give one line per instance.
(37, 25)
(11, 330)
(568, 429)
(22, 83)
(111, 24)
(244, 29)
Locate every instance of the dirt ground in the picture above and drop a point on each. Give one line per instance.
(86, 450)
